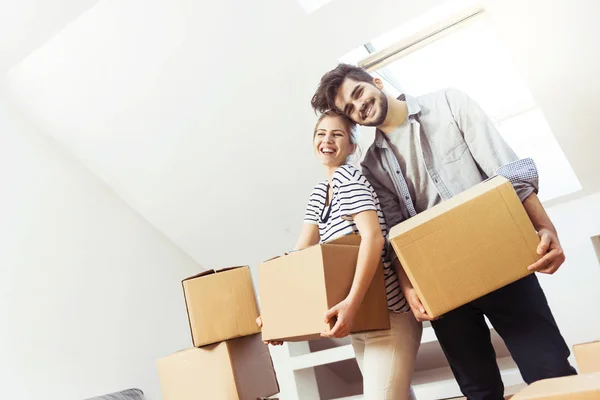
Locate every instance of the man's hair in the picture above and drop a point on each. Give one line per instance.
(324, 97)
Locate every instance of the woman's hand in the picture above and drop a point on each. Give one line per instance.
(344, 313)
(273, 342)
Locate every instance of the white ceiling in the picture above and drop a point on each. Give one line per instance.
(27, 24)
(197, 113)
(198, 116)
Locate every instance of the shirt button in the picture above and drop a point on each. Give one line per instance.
(397, 171)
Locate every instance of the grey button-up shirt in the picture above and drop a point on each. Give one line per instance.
(460, 148)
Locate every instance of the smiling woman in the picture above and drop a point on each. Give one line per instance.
(335, 135)
(346, 203)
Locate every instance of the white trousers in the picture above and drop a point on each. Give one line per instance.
(387, 358)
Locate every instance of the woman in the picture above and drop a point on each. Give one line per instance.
(346, 203)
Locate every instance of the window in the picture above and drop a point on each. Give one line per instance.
(455, 46)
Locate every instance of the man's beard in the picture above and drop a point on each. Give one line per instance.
(382, 112)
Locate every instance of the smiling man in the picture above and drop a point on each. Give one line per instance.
(426, 150)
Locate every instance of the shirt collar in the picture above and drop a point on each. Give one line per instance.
(413, 110)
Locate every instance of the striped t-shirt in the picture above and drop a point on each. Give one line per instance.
(352, 194)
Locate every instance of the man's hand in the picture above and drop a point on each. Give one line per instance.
(344, 313)
(415, 305)
(273, 342)
(551, 252)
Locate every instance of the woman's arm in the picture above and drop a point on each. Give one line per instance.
(369, 258)
(369, 254)
(309, 236)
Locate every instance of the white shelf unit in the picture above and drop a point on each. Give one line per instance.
(295, 365)
(341, 353)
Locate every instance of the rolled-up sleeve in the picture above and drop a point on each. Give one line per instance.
(493, 155)
(523, 175)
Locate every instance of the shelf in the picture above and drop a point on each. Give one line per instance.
(340, 353)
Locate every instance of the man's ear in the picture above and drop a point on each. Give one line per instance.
(378, 83)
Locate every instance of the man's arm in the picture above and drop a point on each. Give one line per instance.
(495, 157)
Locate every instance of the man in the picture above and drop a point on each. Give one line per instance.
(426, 150)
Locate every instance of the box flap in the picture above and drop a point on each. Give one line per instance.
(271, 259)
(230, 268)
(203, 273)
(212, 271)
(576, 387)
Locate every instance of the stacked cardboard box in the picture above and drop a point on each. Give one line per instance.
(229, 360)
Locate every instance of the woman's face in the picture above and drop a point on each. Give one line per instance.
(332, 142)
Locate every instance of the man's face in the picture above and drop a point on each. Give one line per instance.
(363, 102)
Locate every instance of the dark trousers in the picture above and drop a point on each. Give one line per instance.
(520, 314)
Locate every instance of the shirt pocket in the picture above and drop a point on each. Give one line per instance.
(450, 144)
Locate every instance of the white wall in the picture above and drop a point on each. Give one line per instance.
(555, 48)
(573, 290)
(90, 293)
(554, 44)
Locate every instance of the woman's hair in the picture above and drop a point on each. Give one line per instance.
(351, 128)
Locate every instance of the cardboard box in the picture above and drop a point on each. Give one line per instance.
(221, 305)
(237, 369)
(576, 387)
(467, 246)
(296, 291)
(588, 357)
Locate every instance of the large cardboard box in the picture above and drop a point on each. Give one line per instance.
(588, 357)
(467, 246)
(237, 369)
(576, 387)
(296, 291)
(221, 305)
